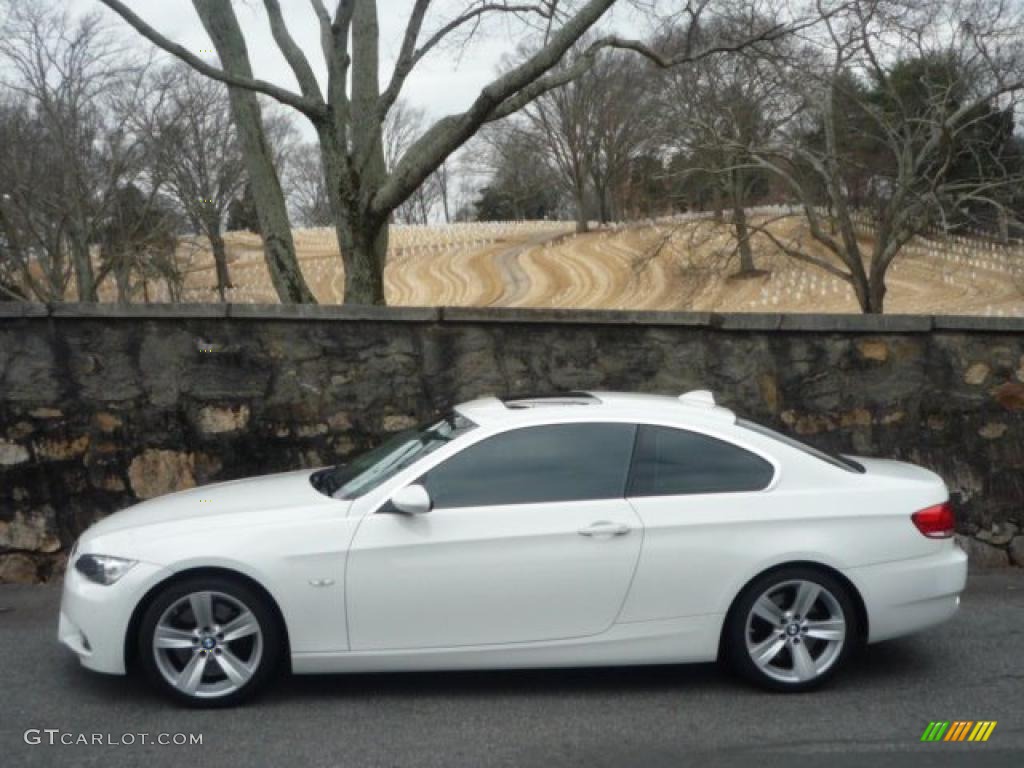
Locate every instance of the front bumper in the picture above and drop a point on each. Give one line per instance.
(907, 596)
(94, 618)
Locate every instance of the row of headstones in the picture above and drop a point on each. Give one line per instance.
(977, 241)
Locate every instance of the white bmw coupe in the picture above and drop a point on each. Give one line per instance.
(581, 529)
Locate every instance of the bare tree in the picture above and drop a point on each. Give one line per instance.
(404, 123)
(306, 188)
(282, 133)
(443, 177)
(221, 24)
(191, 138)
(349, 117)
(68, 153)
(33, 224)
(141, 231)
(719, 110)
(519, 183)
(907, 115)
(624, 125)
(565, 120)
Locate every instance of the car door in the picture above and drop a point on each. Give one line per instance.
(702, 502)
(530, 539)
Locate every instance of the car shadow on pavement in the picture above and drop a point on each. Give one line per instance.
(878, 666)
(520, 682)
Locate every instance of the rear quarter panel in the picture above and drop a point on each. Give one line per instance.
(700, 550)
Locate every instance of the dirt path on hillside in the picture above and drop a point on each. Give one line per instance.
(515, 280)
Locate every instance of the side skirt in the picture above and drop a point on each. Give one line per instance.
(668, 641)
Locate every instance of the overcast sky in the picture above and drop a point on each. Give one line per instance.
(441, 83)
(444, 82)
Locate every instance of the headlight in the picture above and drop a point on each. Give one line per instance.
(103, 569)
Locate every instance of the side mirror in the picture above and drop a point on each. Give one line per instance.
(412, 500)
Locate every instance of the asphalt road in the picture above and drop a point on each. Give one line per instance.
(971, 668)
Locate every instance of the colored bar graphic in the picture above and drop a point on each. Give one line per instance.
(958, 730)
(982, 730)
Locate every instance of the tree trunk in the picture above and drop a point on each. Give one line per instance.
(220, 258)
(442, 184)
(870, 292)
(122, 279)
(876, 282)
(221, 25)
(739, 222)
(581, 210)
(364, 259)
(85, 278)
(362, 238)
(602, 198)
(444, 203)
(119, 264)
(876, 296)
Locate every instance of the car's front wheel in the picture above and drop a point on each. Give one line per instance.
(209, 641)
(791, 629)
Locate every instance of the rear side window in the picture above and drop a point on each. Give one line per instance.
(551, 463)
(831, 458)
(673, 462)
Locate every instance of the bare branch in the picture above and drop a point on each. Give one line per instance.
(292, 53)
(445, 136)
(586, 60)
(334, 42)
(406, 57)
(797, 253)
(308, 107)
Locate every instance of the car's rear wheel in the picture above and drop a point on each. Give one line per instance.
(209, 641)
(792, 629)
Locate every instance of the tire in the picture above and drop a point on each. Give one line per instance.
(220, 641)
(774, 641)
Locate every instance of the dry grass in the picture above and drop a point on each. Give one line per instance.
(665, 265)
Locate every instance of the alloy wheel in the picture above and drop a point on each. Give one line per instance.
(208, 644)
(795, 631)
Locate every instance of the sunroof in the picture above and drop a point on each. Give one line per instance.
(550, 398)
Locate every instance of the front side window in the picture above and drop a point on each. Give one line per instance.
(672, 462)
(369, 470)
(551, 463)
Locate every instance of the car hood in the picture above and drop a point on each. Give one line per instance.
(219, 504)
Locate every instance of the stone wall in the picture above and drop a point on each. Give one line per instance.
(101, 406)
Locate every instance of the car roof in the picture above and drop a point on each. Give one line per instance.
(698, 407)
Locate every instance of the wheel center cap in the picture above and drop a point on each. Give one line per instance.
(793, 629)
(209, 643)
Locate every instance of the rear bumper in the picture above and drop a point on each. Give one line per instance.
(907, 596)
(94, 618)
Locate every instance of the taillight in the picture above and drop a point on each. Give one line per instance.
(936, 522)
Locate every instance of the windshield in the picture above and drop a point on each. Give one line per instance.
(832, 458)
(369, 470)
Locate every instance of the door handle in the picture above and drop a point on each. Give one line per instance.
(605, 528)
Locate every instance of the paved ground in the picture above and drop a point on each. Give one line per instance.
(971, 668)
